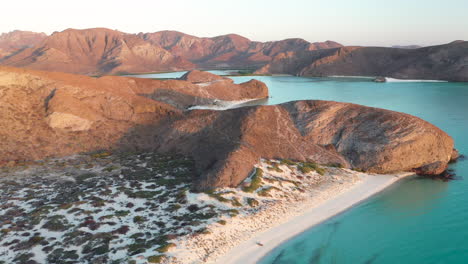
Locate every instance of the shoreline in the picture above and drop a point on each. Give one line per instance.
(250, 252)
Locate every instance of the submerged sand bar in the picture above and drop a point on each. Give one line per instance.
(250, 252)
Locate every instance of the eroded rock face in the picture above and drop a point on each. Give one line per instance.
(97, 51)
(227, 144)
(17, 40)
(444, 62)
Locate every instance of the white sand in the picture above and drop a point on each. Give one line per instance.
(320, 210)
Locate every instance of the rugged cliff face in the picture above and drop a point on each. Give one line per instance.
(444, 62)
(99, 51)
(54, 114)
(226, 144)
(15, 41)
(96, 51)
(229, 50)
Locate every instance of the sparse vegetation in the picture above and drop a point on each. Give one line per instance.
(288, 162)
(166, 247)
(252, 202)
(256, 181)
(235, 202)
(156, 259)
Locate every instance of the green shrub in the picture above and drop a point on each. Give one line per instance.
(266, 191)
(256, 181)
(217, 196)
(321, 171)
(274, 168)
(138, 219)
(235, 202)
(335, 165)
(121, 213)
(166, 247)
(252, 202)
(288, 162)
(156, 259)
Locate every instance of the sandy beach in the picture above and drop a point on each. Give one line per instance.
(250, 252)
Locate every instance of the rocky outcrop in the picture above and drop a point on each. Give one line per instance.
(444, 62)
(227, 144)
(200, 77)
(100, 51)
(15, 41)
(54, 114)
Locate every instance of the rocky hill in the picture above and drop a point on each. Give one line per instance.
(15, 41)
(96, 51)
(229, 50)
(100, 51)
(67, 114)
(445, 62)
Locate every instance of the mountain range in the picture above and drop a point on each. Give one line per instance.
(443, 62)
(99, 51)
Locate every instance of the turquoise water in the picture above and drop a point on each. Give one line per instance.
(414, 221)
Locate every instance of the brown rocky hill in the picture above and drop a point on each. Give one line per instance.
(66, 114)
(100, 51)
(54, 114)
(96, 51)
(17, 40)
(445, 62)
(229, 50)
(227, 144)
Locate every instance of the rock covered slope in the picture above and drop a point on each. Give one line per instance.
(66, 114)
(99, 51)
(46, 113)
(445, 62)
(226, 144)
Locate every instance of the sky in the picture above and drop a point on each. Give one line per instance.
(350, 22)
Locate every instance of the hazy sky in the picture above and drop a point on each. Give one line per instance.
(351, 22)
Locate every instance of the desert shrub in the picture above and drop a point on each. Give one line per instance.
(335, 165)
(235, 202)
(256, 181)
(321, 171)
(222, 222)
(100, 155)
(266, 191)
(274, 168)
(252, 202)
(166, 247)
(288, 162)
(156, 259)
(138, 219)
(217, 196)
(193, 208)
